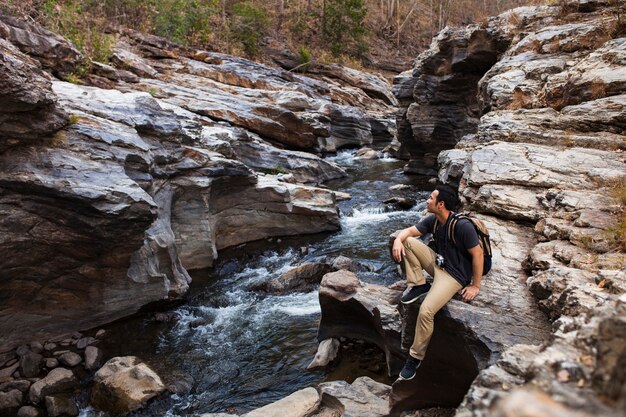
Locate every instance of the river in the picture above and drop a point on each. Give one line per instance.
(239, 349)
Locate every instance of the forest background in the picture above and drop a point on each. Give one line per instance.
(385, 35)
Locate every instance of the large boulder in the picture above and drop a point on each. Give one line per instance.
(363, 398)
(124, 384)
(59, 380)
(301, 403)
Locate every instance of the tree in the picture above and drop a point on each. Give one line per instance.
(342, 25)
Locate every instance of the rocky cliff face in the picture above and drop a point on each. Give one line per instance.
(110, 192)
(543, 163)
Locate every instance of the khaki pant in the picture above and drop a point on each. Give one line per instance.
(420, 257)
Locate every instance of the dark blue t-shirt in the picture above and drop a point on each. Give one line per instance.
(458, 262)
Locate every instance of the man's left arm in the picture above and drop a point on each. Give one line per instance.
(471, 291)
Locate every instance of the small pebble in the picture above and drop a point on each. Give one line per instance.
(100, 334)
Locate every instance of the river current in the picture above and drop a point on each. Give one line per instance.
(239, 349)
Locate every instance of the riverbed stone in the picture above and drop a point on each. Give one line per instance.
(30, 364)
(299, 404)
(299, 278)
(21, 384)
(363, 398)
(10, 401)
(29, 411)
(326, 353)
(83, 342)
(70, 359)
(8, 371)
(124, 384)
(58, 380)
(92, 357)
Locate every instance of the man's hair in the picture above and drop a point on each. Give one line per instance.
(448, 195)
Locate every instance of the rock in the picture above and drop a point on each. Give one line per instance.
(343, 262)
(10, 401)
(124, 384)
(50, 346)
(524, 402)
(363, 398)
(29, 411)
(83, 342)
(53, 51)
(301, 403)
(326, 353)
(123, 58)
(100, 334)
(57, 381)
(25, 92)
(30, 364)
(36, 347)
(8, 371)
(21, 385)
(361, 311)
(70, 359)
(182, 385)
(402, 202)
(60, 406)
(299, 278)
(51, 363)
(367, 153)
(92, 357)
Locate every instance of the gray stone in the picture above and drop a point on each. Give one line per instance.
(326, 353)
(70, 359)
(36, 347)
(50, 346)
(51, 363)
(92, 357)
(29, 411)
(100, 334)
(301, 403)
(58, 380)
(364, 397)
(82, 343)
(8, 371)
(22, 385)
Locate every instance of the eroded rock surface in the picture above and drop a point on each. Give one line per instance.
(108, 196)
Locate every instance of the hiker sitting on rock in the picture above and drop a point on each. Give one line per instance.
(458, 264)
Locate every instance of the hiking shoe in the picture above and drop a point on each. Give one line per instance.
(414, 293)
(410, 368)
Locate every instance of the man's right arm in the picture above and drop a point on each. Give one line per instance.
(398, 244)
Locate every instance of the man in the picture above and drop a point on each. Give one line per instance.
(460, 267)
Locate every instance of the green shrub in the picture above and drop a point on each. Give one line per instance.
(249, 27)
(343, 25)
(303, 58)
(184, 21)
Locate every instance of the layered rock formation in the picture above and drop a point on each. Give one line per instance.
(546, 160)
(110, 193)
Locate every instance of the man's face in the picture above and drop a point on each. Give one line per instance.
(431, 204)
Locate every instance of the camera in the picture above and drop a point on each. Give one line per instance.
(440, 261)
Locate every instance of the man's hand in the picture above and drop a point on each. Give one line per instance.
(398, 250)
(469, 293)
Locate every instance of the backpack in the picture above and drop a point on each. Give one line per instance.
(481, 231)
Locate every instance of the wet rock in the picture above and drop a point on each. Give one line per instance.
(402, 202)
(326, 353)
(299, 404)
(60, 406)
(29, 411)
(343, 262)
(363, 398)
(70, 359)
(30, 364)
(183, 384)
(124, 384)
(367, 153)
(299, 278)
(57, 381)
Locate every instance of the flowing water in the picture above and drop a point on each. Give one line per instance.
(239, 349)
